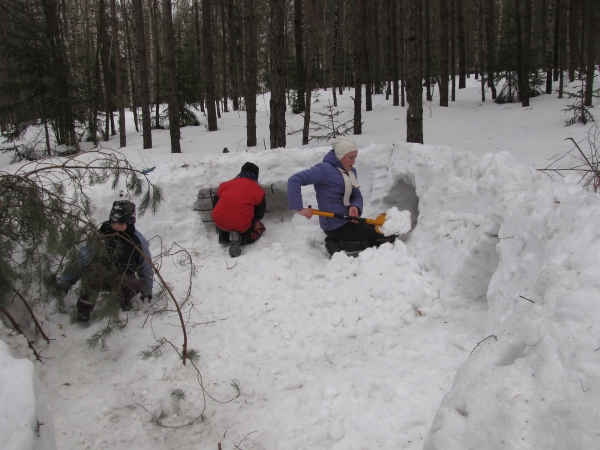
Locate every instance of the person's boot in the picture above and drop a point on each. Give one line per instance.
(351, 248)
(84, 310)
(234, 244)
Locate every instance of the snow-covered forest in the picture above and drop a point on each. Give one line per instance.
(478, 329)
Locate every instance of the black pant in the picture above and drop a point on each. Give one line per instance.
(356, 232)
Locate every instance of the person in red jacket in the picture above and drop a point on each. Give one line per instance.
(238, 208)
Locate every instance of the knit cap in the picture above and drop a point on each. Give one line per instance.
(343, 145)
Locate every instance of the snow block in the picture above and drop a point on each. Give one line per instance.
(25, 421)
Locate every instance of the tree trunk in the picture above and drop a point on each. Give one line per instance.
(402, 47)
(591, 11)
(102, 29)
(394, 39)
(427, 34)
(209, 76)
(414, 79)
(549, 44)
(224, 56)
(491, 57)
(143, 72)
(299, 46)
(233, 56)
(557, 24)
(277, 49)
(117, 56)
(250, 84)
(334, 82)
(157, 63)
(453, 50)
(527, 24)
(462, 50)
(134, 102)
(310, 55)
(480, 45)
(519, 33)
(172, 90)
(443, 44)
(366, 68)
(359, 62)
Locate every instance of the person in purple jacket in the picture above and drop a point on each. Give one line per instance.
(336, 185)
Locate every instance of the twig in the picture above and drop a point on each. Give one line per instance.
(491, 335)
(525, 298)
(584, 390)
(37, 324)
(240, 443)
(17, 327)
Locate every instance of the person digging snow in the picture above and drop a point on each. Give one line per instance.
(238, 209)
(336, 185)
(116, 263)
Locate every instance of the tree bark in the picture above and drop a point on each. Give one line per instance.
(453, 50)
(250, 84)
(209, 75)
(480, 45)
(359, 63)
(157, 62)
(310, 55)
(591, 12)
(334, 81)
(549, 44)
(462, 50)
(103, 30)
(277, 48)
(526, 52)
(224, 54)
(414, 113)
(143, 72)
(427, 35)
(119, 83)
(394, 39)
(443, 44)
(172, 90)
(491, 57)
(299, 46)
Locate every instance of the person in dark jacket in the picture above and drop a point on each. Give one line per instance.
(120, 263)
(336, 185)
(238, 208)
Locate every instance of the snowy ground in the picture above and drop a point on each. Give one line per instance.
(479, 331)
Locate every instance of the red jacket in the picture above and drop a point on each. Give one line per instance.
(236, 204)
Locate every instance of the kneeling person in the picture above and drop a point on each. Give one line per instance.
(238, 208)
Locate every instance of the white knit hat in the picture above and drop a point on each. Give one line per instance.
(342, 146)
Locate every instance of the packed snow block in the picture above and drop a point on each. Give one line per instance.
(275, 196)
(25, 421)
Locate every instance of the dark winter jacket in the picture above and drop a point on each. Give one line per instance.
(329, 187)
(123, 250)
(238, 202)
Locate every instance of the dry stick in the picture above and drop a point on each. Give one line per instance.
(525, 298)
(37, 324)
(18, 328)
(491, 335)
(585, 157)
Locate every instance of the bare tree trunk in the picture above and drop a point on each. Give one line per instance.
(359, 62)
(562, 51)
(443, 44)
(117, 56)
(491, 57)
(157, 62)
(134, 102)
(299, 46)
(414, 79)
(427, 35)
(573, 37)
(549, 44)
(143, 72)
(480, 45)
(250, 85)
(277, 48)
(366, 68)
(453, 50)
(394, 39)
(102, 29)
(462, 50)
(172, 90)
(224, 50)
(310, 55)
(526, 52)
(557, 24)
(519, 28)
(334, 52)
(198, 33)
(209, 76)
(233, 56)
(591, 12)
(402, 47)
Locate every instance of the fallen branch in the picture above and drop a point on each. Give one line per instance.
(17, 327)
(491, 335)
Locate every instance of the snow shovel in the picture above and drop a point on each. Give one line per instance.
(377, 222)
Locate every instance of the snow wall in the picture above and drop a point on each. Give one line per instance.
(499, 236)
(25, 421)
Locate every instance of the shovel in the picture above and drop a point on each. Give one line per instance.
(377, 222)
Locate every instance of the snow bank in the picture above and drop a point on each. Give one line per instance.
(25, 422)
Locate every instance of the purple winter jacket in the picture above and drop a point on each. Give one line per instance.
(329, 187)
